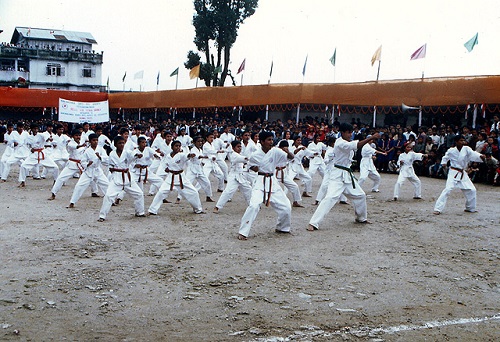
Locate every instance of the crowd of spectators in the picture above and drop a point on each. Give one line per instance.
(433, 141)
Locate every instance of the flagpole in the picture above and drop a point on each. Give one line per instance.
(378, 70)
(241, 79)
(298, 114)
(196, 83)
(176, 80)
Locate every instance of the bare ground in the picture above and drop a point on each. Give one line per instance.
(410, 276)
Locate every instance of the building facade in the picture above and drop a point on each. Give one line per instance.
(51, 59)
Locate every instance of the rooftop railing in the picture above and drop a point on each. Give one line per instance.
(14, 51)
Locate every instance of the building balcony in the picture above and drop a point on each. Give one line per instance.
(13, 75)
(16, 52)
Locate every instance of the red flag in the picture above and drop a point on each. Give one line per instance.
(242, 67)
(420, 53)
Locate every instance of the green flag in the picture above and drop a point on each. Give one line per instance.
(175, 72)
(218, 70)
(471, 43)
(334, 57)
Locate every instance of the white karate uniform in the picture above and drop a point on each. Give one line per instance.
(458, 177)
(406, 171)
(74, 165)
(91, 173)
(367, 167)
(326, 180)
(121, 180)
(144, 174)
(297, 169)
(285, 178)
(60, 154)
(19, 153)
(246, 151)
(340, 182)
(185, 141)
(316, 162)
(236, 180)
(176, 180)
(194, 172)
(221, 145)
(211, 165)
(37, 157)
(7, 152)
(266, 189)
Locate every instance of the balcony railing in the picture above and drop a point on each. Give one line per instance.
(13, 51)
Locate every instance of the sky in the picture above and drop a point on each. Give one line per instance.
(155, 36)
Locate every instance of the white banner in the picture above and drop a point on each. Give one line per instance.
(80, 112)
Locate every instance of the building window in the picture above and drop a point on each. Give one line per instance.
(54, 69)
(88, 72)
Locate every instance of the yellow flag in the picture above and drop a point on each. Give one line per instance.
(195, 72)
(377, 54)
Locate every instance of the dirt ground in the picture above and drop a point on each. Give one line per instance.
(410, 276)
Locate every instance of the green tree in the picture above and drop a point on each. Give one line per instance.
(216, 24)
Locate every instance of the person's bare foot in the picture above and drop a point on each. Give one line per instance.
(219, 190)
(95, 195)
(117, 201)
(101, 219)
(209, 199)
(21, 185)
(166, 201)
(316, 203)
(3, 180)
(216, 210)
(242, 237)
(363, 222)
(71, 205)
(305, 194)
(311, 228)
(52, 197)
(343, 202)
(297, 205)
(437, 213)
(177, 201)
(140, 215)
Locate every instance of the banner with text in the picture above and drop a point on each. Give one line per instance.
(80, 112)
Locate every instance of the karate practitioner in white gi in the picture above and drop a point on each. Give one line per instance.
(74, 164)
(121, 180)
(194, 170)
(236, 179)
(144, 157)
(459, 157)
(60, 143)
(211, 165)
(341, 179)
(175, 165)
(37, 157)
(367, 168)
(406, 171)
(266, 189)
(17, 141)
(9, 149)
(162, 147)
(316, 162)
(92, 160)
(297, 169)
(283, 175)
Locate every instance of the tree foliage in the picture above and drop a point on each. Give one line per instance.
(216, 24)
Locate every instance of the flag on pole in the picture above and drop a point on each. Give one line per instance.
(471, 43)
(218, 70)
(377, 55)
(271, 71)
(242, 66)
(304, 68)
(175, 72)
(334, 57)
(139, 75)
(158, 78)
(124, 75)
(195, 72)
(419, 53)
